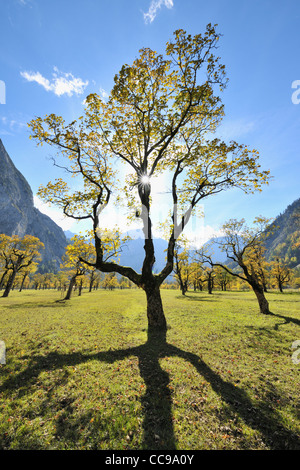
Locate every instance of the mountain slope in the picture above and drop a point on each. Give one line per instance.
(133, 254)
(18, 216)
(285, 239)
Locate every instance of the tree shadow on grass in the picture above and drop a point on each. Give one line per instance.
(286, 320)
(158, 430)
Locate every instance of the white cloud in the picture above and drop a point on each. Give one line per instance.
(11, 125)
(202, 235)
(60, 84)
(154, 7)
(104, 95)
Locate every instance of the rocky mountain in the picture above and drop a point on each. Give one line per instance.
(284, 240)
(18, 216)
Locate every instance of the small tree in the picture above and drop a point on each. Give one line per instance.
(5, 264)
(206, 272)
(31, 269)
(182, 266)
(222, 278)
(197, 275)
(80, 255)
(241, 245)
(110, 281)
(62, 280)
(19, 254)
(72, 263)
(280, 272)
(92, 274)
(209, 276)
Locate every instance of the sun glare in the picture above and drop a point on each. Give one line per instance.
(145, 179)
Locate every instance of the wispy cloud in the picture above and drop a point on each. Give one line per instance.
(60, 83)
(234, 129)
(154, 7)
(103, 93)
(10, 126)
(4, 132)
(26, 3)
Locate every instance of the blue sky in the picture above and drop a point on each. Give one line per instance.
(53, 53)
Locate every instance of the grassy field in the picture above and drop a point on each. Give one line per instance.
(84, 374)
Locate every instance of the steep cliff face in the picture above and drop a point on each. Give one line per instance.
(18, 216)
(16, 199)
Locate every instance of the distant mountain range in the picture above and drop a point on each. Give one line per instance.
(19, 216)
(285, 231)
(133, 251)
(133, 254)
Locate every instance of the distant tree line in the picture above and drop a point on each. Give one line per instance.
(246, 266)
(20, 259)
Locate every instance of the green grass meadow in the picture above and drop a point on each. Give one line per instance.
(83, 374)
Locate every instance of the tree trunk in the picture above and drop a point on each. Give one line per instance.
(209, 284)
(9, 283)
(155, 312)
(2, 279)
(71, 285)
(80, 287)
(183, 287)
(257, 288)
(23, 280)
(262, 301)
